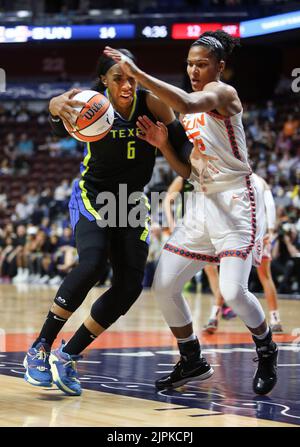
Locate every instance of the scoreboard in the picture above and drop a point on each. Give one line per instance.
(193, 30)
(160, 31)
(24, 33)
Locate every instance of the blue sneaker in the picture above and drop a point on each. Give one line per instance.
(36, 363)
(63, 366)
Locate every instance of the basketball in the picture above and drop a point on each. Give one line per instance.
(95, 121)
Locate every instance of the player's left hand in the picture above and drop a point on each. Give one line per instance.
(155, 134)
(127, 65)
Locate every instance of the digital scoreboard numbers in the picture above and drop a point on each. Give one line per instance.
(194, 30)
(117, 31)
(154, 32)
(103, 32)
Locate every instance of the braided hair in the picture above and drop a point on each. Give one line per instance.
(220, 43)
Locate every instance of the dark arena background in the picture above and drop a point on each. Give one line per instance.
(49, 47)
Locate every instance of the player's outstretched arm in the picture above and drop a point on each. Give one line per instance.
(214, 96)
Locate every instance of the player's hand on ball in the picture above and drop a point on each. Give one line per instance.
(202, 163)
(127, 65)
(63, 106)
(154, 133)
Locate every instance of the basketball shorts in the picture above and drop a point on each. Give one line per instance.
(220, 224)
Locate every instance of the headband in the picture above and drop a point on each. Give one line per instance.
(211, 42)
(107, 64)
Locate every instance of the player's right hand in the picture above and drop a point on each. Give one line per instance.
(64, 106)
(202, 163)
(126, 64)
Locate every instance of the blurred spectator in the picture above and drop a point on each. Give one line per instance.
(68, 146)
(269, 113)
(286, 260)
(290, 126)
(20, 241)
(285, 164)
(42, 118)
(47, 203)
(32, 197)
(23, 210)
(3, 198)
(22, 115)
(25, 145)
(5, 168)
(61, 195)
(67, 238)
(6, 272)
(255, 130)
(283, 86)
(283, 143)
(267, 136)
(3, 115)
(9, 148)
(55, 146)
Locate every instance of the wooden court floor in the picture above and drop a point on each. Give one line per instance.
(119, 369)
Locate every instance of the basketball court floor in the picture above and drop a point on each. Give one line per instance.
(118, 371)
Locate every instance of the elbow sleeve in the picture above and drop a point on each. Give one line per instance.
(57, 126)
(179, 140)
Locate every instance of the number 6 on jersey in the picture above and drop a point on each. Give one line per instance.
(130, 149)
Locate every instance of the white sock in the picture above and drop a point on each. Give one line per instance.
(262, 336)
(274, 317)
(215, 311)
(185, 340)
(20, 271)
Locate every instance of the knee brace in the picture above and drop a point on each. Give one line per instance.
(117, 300)
(81, 279)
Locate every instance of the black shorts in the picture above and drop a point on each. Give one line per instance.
(122, 246)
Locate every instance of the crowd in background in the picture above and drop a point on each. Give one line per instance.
(36, 242)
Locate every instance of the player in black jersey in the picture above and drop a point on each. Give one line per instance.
(122, 157)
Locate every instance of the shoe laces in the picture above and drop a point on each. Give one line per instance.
(178, 364)
(41, 355)
(183, 363)
(41, 358)
(70, 366)
(264, 353)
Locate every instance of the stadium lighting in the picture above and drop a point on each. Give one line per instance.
(95, 12)
(23, 14)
